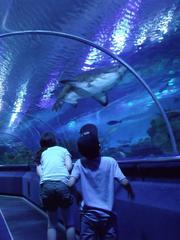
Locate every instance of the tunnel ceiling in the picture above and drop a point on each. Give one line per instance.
(33, 65)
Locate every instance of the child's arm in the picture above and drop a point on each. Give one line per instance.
(118, 174)
(39, 170)
(75, 192)
(125, 183)
(75, 175)
(72, 181)
(68, 162)
(37, 161)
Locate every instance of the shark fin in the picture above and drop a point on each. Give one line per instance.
(56, 106)
(101, 98)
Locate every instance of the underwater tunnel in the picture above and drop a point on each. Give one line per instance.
(114, 64)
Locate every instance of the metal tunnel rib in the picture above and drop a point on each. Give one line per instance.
(88, 42)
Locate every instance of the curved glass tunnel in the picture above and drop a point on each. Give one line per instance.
(107, 95)
(34, 67)
(51, 82)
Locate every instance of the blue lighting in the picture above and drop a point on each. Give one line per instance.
(46, 99)
(71, 124)
(156, 27)
(130, 104)
(6, 66)
(18, 105)
(124, 26)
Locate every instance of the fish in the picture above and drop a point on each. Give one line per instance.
(94, 83)
(114, 122)
(133, 117)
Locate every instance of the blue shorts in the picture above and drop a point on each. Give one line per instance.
(55, 194)
(94, 226)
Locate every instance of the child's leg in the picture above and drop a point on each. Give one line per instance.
(108, 230)
(88, 229)
(70, 233)
(52, 225)
(51, 234)
(68, 216)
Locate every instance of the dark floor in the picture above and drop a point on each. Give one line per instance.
(5, 234)
(24, 220)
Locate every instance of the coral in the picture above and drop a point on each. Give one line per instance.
(158, 131)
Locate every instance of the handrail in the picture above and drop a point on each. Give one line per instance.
(169, 159)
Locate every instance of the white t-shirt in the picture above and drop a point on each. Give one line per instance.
(53, 164)
(98, 185)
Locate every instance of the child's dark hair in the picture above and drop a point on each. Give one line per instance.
(88, 146)
(48, 139)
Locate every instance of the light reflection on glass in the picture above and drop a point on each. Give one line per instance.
(115, 38)
(18, 103)
(94, 56)
(71, 124)
(123, 27)
(45, 100)
(130, 104)
(4, 71)
(171, 82)
(155, 29)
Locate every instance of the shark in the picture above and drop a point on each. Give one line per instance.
(93, 83)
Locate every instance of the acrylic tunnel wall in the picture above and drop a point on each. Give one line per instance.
(130, 123)
(51, 82)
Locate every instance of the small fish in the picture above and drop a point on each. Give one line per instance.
(114, 122)
(133, 117)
